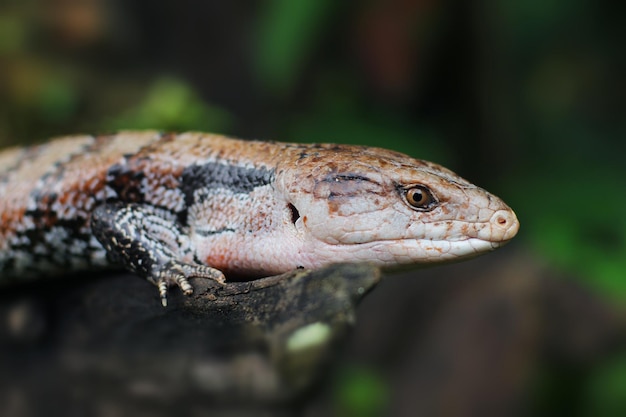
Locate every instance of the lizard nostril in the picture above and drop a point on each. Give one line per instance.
(507, 225)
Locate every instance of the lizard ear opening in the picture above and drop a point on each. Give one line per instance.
(295, 214)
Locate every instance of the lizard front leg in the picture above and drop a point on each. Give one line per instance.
(151, 243)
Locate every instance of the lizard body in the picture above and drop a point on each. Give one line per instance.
(169, 207)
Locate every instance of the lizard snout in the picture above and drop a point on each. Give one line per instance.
(503, 226)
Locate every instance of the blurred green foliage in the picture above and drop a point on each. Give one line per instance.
(360, 392)
(57, 99)
(586, 238)
(172, 105)
(337, 115)
(287, 33)
(12, 34)
(606, 389)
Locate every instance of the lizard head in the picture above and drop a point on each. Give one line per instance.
(363, 204)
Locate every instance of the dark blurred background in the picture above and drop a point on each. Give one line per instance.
(525, 98)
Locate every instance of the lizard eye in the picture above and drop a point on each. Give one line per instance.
(420, 197)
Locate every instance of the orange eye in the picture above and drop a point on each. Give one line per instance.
(420, 197)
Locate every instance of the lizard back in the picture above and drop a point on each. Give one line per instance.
(47, 191)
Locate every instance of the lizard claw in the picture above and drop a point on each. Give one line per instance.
(163, 292)
(177, 273)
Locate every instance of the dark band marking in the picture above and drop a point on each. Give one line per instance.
(206, 233)
(339, 188)
(346, 177)
(126, 182)
(213, 175)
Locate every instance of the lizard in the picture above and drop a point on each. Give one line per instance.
(169, 206)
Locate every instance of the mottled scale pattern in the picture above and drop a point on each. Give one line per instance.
(47, 192)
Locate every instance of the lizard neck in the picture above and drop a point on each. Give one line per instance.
(246, 232)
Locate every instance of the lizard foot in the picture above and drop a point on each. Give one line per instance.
(149, 241)
(177, 273)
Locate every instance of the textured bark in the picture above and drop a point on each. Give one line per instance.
(92, 345)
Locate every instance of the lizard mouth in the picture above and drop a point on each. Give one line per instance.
(395, 252)
(438, 250)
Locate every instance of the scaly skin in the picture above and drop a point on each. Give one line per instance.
(198, 204)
